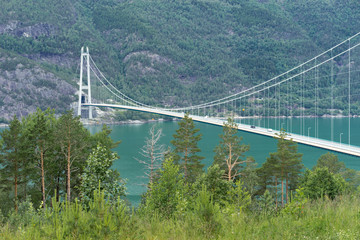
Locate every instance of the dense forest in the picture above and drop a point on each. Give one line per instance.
(57, 183)
(159, 52)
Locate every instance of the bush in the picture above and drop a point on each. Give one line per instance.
(320, 183)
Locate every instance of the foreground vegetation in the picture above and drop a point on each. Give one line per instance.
(232, 199)
(318, 219)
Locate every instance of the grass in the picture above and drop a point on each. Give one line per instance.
(321, 219)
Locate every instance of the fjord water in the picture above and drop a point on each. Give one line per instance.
(132, 137)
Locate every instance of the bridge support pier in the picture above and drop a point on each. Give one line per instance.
(84, 90)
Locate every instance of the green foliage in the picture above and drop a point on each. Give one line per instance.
(98, 174)
(215, 184)
(331, 162)
(74, 142)
(195, 49)
(239, 198)
(249, 176)
(266, 203)
(186, 149)
(12, 167)
(297, 204)
(134, 115)
(42, 154)
(322, 218)
(67, 220)
(285, 164)
(24, 214)
(103, 138)
(167, 195)
(208, 213)
(321, 182)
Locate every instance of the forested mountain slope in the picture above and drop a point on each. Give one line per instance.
(160, 52)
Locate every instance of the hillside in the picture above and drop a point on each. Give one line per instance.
(159, 52)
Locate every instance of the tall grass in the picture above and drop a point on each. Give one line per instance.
(320, 219)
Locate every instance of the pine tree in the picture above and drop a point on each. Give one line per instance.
(230, 152)
(286, 162)
(186, 149)
(74, 143)
(268, 176)
(41, 141)
(169, 193)
(249, 177)
(10, 157)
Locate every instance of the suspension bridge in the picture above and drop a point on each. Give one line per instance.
(327, 85)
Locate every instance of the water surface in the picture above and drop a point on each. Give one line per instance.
(132, 137)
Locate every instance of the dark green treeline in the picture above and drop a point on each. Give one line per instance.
(41, 155)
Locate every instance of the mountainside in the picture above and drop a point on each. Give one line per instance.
(159, 52)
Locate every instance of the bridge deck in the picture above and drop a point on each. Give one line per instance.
(315, 142)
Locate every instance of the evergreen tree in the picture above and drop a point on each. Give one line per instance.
(230, 152)
(186, 149)
(74, 143)
(11, 170)
(215, 183)
(168, 193)
(249, 177)
(103, 138)
(41, 142)
(286, 163)
(266, 203)
(268, 176)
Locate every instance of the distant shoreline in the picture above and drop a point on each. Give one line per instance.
(99, 122)
(96, 122)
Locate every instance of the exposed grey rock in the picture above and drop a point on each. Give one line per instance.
(60, 60)
(23, 90)
(40, 29)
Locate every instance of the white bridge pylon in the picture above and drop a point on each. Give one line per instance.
(84, 90)
(326, 85)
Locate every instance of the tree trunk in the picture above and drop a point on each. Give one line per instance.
(58, 189)
(287, 192)
(276, 198)
(185, 164)
(25, 186)
(68, 172)
(282, 192)
(16, 185)
(282, 188)
(229, 164)
(42, 176)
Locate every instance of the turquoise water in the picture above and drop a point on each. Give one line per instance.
(133, 138)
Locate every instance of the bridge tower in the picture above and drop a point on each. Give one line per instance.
(84, 89)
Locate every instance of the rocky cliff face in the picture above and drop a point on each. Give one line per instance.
(26, 80)
(25, 86)
(17, 28)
